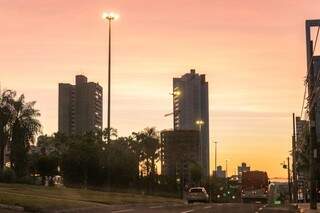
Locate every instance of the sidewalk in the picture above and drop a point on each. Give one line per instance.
(304, 207)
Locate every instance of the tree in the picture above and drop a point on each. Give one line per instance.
(195, 173)
(119, 162)
(149, 144)
(81, 160)
(45, 158)
(6, 117)
(148, 140)
(47, 166)
(25, 127)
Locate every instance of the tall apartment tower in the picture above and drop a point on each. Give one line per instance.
(190, 104)
(80, 107)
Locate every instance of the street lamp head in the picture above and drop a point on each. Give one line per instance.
(177, 93)
(199, 122)
(110, 16)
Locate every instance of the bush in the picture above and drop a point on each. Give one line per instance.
(25, 180)
(7, 175)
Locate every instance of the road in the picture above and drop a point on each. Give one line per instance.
(177, 208)
(197, 207)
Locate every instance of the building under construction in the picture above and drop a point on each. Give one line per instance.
(179, 152)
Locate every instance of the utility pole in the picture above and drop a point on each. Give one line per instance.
(289, 180)
(294, 169)
(287, 166)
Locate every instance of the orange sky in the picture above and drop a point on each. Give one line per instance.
(252, 52)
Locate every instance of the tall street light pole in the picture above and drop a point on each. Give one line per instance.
(215, 156)
(200, 123)
(109, 17)
(226, 168)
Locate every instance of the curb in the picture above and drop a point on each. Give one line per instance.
(84, 209)
(108, 208)
(12, 207)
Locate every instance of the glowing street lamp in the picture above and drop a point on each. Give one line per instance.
(200, 123)
(109, 17)
(176, 93)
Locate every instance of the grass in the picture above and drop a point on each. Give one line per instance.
(37, 198)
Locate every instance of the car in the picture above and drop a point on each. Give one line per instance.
(197, 194)
(254, 187)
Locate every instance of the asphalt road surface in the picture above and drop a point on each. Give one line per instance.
(178, 208)
(197, 207)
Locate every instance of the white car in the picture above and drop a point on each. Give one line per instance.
(197, 194)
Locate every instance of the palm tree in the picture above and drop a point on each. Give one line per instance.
(6, 117)
(148, 141)
(25, 127)
(151, 148)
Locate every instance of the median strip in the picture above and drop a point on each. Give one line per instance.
(188, 211)
(156, 207)
(123, 210)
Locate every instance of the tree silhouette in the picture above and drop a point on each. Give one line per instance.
(6, 117)
(25, 126)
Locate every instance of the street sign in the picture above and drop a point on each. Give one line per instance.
(277, 202)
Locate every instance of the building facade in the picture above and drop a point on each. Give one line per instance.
(179, 151)
(313, 75)
(243, 168)
(80, 107)
(301, 156)
(191, 111)
(220, 173)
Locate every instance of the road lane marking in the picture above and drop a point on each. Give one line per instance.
(156, 207)
(123, 210)
(188, 211)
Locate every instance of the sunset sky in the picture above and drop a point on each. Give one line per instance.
(252, 52)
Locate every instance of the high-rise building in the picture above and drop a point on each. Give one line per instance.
(179, 151)
(302, 175)
(243, 168)
(191, 111)
(220, 173)
(80, 107)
